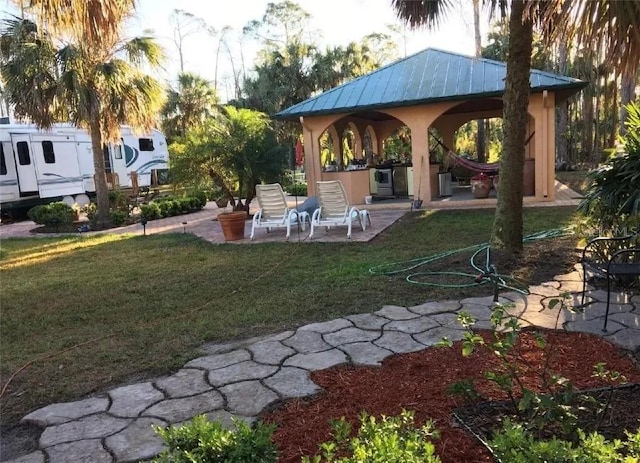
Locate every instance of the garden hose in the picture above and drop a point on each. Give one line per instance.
(486, 273)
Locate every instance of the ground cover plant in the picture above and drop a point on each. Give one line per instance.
(81, 314)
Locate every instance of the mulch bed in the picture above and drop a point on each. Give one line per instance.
(418, 382)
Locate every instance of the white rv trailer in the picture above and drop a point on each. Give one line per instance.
(40, 166)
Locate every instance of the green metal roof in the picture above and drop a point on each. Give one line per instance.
(425, 77)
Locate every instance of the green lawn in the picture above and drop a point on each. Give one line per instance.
(82, 314)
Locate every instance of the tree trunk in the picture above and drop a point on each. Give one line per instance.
(480, 138)
(627, 95)
(507, 226)
(100, 177)
(562, 124)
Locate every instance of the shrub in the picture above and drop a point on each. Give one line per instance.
(612, 199)
(391, 440)
(150, 211)
(165, 206)
(118, 217)
(204, 441)
(55, 216)
(297, 189)
(513, 444)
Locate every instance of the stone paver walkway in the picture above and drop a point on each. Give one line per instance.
(242, 379)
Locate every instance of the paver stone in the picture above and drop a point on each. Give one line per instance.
(292, 382)
(83, 450)
(270, 352)
(33, 457)
(366, 353)
(89, 427)
(244, 371)
(176, 410)
(130, 401)
(627, 339)
(212, 362)
(183, 383)
(435, 307)
(400, 343)
(327, 327)
(138, 441)
(317, 360)
(415, 325)
(349, 335)
(305, 342)
(394, 312)
(67, 411)
(248, 398)
(368, 321)
(434, 336)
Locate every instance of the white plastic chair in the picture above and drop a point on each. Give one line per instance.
(274, 212)
(335, 210)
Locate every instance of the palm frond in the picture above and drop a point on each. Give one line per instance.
(422, 12)
(611, 26)
(141, 50)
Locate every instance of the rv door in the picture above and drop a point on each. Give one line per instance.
(25, 166)
(57, 166)
(9, 190)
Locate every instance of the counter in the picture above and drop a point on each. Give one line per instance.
(355, 182)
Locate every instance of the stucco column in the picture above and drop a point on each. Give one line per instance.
(311, 157)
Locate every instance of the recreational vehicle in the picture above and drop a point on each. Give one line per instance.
(39, 166)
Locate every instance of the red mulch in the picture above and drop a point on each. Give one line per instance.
(418, 382)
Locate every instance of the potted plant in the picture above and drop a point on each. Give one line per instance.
(480, 185)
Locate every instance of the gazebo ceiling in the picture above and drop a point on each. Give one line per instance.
(428, 76)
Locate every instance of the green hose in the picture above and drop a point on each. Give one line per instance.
(485, 274)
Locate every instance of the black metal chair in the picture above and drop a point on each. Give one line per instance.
(610, 258)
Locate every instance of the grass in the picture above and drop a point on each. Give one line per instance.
(576, 179)
(80, 315)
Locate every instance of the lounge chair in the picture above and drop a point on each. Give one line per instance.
(335, 210)
(274, 212)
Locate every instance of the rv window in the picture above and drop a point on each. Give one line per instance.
(146, 144)
(47, 151)
(3, 163)
(117, 151)
(23, 153)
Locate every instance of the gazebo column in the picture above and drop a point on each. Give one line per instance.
(340, 127)
(312, 129)
(542, 108)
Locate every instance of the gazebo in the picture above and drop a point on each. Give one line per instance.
(430, 89)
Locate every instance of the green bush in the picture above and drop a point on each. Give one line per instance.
(513, 444)
(118, 217)
(56, 215)
(612, 200)
(150, 211)
(390, 440)
(204, 441)
(297, 189)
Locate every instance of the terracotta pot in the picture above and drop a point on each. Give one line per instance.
(232, 224)
(481, 188)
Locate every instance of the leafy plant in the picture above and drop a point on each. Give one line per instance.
(204, 441)
(232, 152)
(554, 407)
(56, 216)
(514, 444)
(393, 439)
(297, 189)
(612, 199)
(118, 217)
(150, 211)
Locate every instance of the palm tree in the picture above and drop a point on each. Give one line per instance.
(615, 24)
(92, 78)
(189, 105)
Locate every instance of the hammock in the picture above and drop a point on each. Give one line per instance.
(473, 165)
(468, 164)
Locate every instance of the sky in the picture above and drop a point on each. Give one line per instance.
(337, 21)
